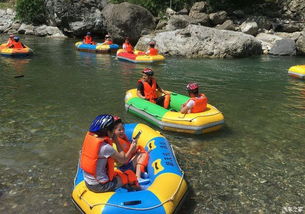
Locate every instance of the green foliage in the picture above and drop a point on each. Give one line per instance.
(31, 11)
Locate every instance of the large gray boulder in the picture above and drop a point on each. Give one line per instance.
(283, 47)
(199, 41)
(127, 19)
(76, 17)
(293, 9)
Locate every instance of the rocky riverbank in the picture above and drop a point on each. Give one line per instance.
(197, 32)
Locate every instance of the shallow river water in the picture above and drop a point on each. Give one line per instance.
(254, 164)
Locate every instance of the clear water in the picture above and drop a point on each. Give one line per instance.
(255, 164)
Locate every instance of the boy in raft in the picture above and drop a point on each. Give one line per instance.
(139, 159)
(152, 51)
(88, 39)
(108, 40)
(98, 156)
(127, 46)
(197, 103)
(16, 43)
(148, 87)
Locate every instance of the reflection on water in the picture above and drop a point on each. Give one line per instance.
(255, 164)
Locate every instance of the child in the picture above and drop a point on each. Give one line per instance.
(127, 46)
(152, 51)
(139, 159)
(197, 102)
(108, 40)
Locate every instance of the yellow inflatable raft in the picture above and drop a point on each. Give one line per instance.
(138, 57)
(297, 71)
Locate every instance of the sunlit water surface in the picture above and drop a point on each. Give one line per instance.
(255, 164)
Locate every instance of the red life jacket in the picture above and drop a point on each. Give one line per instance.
(200, 103)
(153, 51)
(17, 45)
(89, 157)
(128, 47)
(108, 42)
(87, 40)
(150, 90)
(9, 42)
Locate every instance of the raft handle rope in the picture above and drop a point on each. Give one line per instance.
(170, 119)
(133, 208)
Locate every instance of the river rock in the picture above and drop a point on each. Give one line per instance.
(283, 47)
(218, 17)
(127, 19)
(249, 27)
(6, 19)
(267, 41)
(201, 41)
(26, 29)
(300, 43)
(76, 17)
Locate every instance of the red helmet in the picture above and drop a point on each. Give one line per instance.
(117, 120)
(148, 71)
(12, 35)
(192, 86)
(152, 42)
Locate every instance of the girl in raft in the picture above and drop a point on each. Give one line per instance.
(139, 158)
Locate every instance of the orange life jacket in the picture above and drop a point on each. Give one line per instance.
(153, 51)
(125, 144)
(149, 90)
(200, 103)
(108, 42)
(89, 157)
(88, 40)
(128, 47)
(16, 45)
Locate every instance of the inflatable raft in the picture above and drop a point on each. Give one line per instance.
(15, 52)
(297, 71)
(171, 119)
(162, 192)
(138, 57)
(98, 48)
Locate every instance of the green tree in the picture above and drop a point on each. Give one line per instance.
(31, 11)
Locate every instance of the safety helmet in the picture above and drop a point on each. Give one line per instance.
(148, 72)
(152, 42)
(107, 36)
(16, 38)
(12, 35)
(192, 87)
(102, 122)
(88, 33)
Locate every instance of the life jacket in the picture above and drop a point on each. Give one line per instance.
(17, 45)
(87, 40)
(200, 103)
(149, 90)
(9, 42)
(108, 42)
(89, 158)
(128, 47)
(125, 144)
(153, 51)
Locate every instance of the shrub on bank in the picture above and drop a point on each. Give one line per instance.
(31, 11)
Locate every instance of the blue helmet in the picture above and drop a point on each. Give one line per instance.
(102, 122)
(16, 38)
